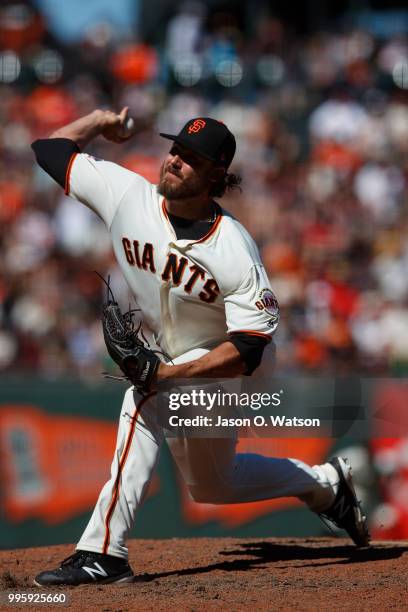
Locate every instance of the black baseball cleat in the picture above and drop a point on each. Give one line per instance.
(346, 512)
(85, 567)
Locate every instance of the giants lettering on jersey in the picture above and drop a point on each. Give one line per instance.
(176, 269)
(146, 260)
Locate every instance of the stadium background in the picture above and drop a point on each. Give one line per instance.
(317, 98)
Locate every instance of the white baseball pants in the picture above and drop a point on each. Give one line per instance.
(212, 470)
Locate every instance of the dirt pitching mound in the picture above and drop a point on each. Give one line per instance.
(231, 574)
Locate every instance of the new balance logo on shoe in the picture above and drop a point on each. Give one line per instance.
(95, 572)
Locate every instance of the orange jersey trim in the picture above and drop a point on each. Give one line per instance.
(252, 333)
(125, 453)
(214, 227)
(68, 173)
(209, 233)
(165, 210)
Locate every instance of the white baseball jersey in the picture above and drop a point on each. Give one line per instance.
(192, 293)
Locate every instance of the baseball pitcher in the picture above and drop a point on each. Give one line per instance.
(207, 311)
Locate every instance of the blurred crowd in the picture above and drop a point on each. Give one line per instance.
(321, 121)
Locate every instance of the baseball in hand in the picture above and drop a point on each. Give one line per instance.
(128, 127)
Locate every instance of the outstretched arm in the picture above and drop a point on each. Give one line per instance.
(54, 154)
(95, 182)
(110, 125)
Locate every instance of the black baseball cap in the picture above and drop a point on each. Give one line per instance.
(207, 137)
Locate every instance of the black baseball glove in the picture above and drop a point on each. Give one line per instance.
(127, 345)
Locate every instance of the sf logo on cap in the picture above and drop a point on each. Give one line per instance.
(196, 126)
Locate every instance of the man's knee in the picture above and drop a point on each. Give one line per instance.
(212, 495)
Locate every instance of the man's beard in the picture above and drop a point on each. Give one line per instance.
(180, 191)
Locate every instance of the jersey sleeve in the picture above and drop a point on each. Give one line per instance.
(99, 184)
(252, 308)
(250, 348)
(54, 155)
